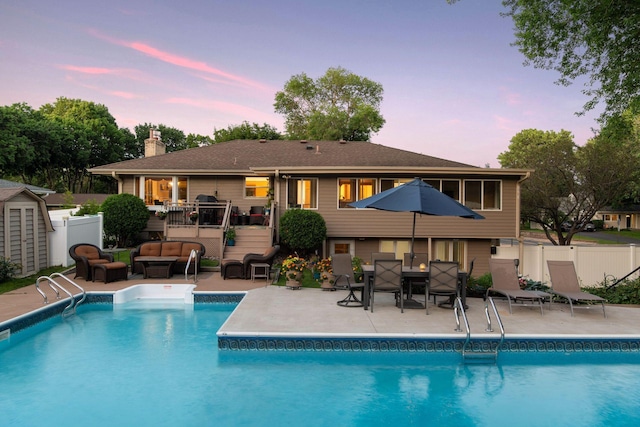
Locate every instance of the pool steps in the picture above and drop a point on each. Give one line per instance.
(490, 355)
(167, 292)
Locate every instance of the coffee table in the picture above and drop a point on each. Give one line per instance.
(157, 266)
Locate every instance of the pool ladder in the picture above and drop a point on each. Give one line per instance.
(193, 255)
(57, 287)
(469, 355)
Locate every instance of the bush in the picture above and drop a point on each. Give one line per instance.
(302, 230)
(7, 269)
(91, 207)
(627, 292)
(125, 215)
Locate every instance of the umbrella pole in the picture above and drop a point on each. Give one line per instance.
(413, 233)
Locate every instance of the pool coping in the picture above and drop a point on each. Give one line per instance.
(359, 342)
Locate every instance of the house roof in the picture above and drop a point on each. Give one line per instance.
(263, 157)
(58, 199)
(33, 188)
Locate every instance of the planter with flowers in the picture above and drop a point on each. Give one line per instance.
(193, 217)
(292, 268)
(325, 276)
(161, 214)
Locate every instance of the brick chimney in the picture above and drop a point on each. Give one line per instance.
(153, 146)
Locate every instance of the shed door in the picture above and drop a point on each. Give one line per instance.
(22, 236)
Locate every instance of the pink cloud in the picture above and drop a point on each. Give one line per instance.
(125, 95)
(179, 61)
(511, 98)
(226, 107)
(87, 70)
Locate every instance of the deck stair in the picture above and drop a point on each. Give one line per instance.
(249, 239)
(487, 353)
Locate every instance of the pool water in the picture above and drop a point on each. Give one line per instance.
(161, 367)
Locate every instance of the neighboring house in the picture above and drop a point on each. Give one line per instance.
(324, 176)
(40, 191)
(24, 224)
(626, 217)
(59, 200)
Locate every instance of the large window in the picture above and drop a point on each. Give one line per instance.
(387, 184)
(450, 187)
(352, 190)
(450, 250)
(302, 193)
(256, 187)
(480, 194)
(398, 247)
(158, 190)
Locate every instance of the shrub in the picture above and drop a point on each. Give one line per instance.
(125, 215)
(91, 207)
(302, 230)
(627, 292)
(7, 269)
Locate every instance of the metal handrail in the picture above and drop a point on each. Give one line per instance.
(71, 308)
(498, 319)
(192, 255)
(458, 307)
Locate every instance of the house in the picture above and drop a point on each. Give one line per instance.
(24, 224)
(61, 200)
(625, 217)
(324, 176)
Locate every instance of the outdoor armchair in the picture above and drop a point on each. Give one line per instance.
(86, 255)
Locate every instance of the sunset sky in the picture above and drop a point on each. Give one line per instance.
(454, 87)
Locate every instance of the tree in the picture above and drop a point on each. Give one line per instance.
(246, 130)
(338, 105)
(194, 141)
(125, 215)
(593, 38)
(302, 230)
(569, 183)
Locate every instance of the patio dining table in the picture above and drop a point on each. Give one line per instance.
(409, 272)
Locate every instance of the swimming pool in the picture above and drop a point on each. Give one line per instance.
(137, 366)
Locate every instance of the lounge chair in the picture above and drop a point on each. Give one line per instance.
(443, 281)
(342, 270)
(505, 282)
(388, 278)
(564, 283)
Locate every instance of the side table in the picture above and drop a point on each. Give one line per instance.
(260, 271)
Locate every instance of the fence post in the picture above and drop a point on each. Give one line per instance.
(632, 257)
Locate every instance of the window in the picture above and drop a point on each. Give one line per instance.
(482, 194)
(351, 190)
(450, 187)
(387, 184)
(157, 190)
(450, 250)
(256, 187)
(398, 247)
(303, 193)
(342, 247)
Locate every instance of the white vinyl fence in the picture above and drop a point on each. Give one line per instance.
(593, 263)
(69, 230)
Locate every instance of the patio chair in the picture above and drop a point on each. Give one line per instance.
(256, 215)
(342, 271)
(86, 255)
(418, 258)
(443, 281)
(505, 282)
(388, 278)
(381, 255)
(564, 283)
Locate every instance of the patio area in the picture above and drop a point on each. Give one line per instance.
(276, 310)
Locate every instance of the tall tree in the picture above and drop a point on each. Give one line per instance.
(93, 139)
(246, 130)
(338, 105)
(196, 140)
(569, 183)
(597, 39)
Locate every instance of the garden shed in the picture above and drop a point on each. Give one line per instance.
(24, 224)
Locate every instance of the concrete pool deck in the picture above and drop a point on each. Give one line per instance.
(276, 310)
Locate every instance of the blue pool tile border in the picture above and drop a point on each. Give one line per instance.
(428, 344)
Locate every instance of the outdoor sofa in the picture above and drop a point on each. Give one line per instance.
(168, 248)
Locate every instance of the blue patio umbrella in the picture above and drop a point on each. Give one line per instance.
(420, 198)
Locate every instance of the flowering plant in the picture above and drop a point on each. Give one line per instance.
(193, 215)
(162, 213)
(323, 267)
(292, 266)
